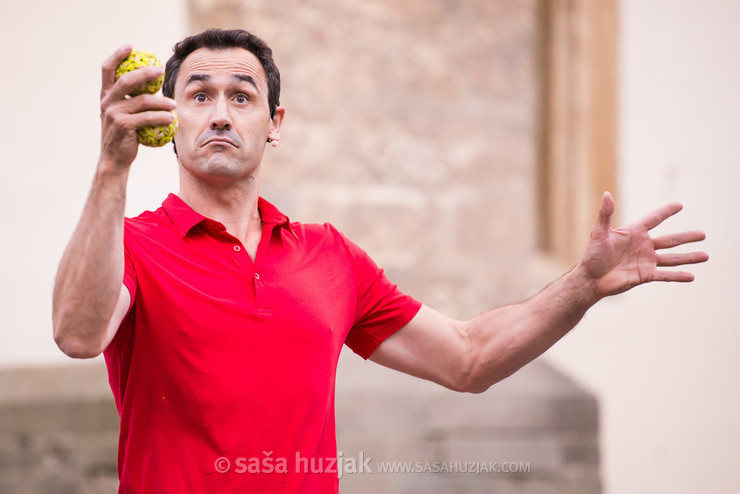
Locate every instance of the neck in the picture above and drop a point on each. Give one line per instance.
(234, 204)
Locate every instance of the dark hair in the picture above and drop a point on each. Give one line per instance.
(220, 38)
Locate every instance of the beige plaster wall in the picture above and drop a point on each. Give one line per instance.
(50, 127)
(663, 359)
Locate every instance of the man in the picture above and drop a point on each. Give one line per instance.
(221, 321)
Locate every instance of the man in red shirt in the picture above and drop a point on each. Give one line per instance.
(221, 321)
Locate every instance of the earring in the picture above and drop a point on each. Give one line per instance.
(273, 142)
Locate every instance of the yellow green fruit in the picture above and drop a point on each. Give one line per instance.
(149, 135)
(136, 60)
(157, 135)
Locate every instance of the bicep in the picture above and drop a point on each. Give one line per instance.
(431, 346)
(120, 311)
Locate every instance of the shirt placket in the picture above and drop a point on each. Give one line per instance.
(258, 273)
(251, 270)
(250, 267)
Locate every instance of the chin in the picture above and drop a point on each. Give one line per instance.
(221, 169)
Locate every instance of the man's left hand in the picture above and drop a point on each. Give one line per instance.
(618, 259)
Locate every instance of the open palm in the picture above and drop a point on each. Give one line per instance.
(621, 258)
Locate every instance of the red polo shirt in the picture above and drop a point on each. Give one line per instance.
(223, 369)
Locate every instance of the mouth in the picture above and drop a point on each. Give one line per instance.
(219, 141)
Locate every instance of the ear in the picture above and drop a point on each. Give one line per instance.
(276, 123)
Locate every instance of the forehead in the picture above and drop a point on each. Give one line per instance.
(221, 62)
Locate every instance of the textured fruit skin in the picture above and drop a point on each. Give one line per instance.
(149, 135)
(157, 135)
(137, 59)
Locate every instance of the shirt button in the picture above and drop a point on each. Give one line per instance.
(237, 248)
(256, 276)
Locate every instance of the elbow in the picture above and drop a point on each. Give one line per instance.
(480, 377)
(470, 384)
(476, 388)
(480, 380)
(76, 348)
(72, 344)
(467, 386)
(474, 372)
(469, 377)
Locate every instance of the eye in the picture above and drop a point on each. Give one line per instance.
(241, 98)
(200, 97)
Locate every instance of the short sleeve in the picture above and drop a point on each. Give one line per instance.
(382, 309)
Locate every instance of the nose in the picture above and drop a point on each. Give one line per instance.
(221, 119)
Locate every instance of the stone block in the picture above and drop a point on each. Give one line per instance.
(58, 431)
(542, 452)
(537, 417)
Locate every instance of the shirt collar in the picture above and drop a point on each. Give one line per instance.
(184, 218)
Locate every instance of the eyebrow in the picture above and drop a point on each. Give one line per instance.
(246, 78)
(205, 78)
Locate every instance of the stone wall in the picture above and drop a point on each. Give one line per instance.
(412, 126)
(538, 425)
(59, 432)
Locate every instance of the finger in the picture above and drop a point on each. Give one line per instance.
(673, 276)
(606, 212)
(153, 118)
(658, 216)
(679, 259)
(131, 122)
(110, 65)
(675, 239)
(115, 112)
(147, 102)
(130, 81)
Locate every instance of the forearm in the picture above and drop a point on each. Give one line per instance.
(505, 339)
(90, 274)
(473, 355)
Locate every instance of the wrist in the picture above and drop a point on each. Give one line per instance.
(584, 286)
(108, 169)
(110, 182)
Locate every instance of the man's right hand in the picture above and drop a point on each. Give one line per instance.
(121, 115)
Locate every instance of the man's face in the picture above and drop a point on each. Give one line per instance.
(224, 117)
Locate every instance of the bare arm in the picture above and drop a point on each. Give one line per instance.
(473, 355)
(90, 300)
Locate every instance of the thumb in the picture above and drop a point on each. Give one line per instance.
(606, 211)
